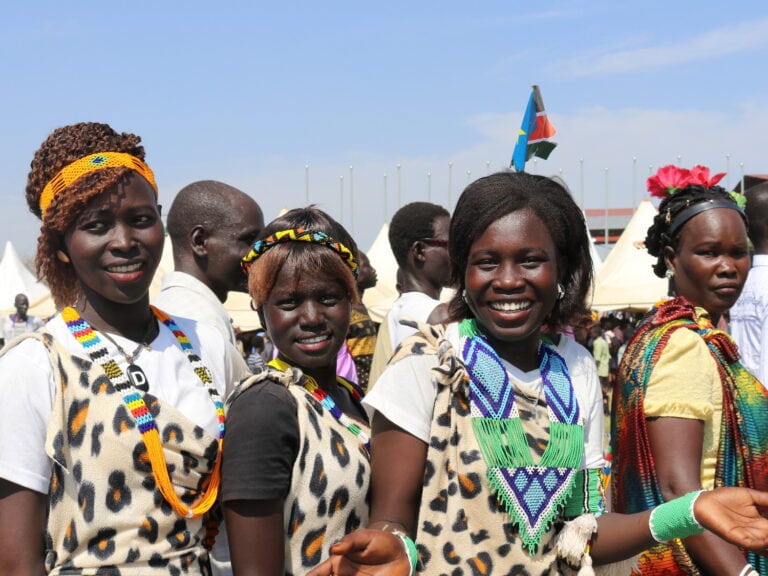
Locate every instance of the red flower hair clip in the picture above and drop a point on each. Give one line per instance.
(669, 179)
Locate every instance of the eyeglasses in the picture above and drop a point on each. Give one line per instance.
(435, 242)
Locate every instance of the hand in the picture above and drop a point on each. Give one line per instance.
(733, 514)
(366, 553)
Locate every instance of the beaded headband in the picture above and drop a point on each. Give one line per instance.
(299, 235)
(92, 163)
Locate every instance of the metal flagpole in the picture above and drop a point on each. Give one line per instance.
(429, 186)
(386, 210)
(728, 170)
(306, 184)
(581, 182)
(606, 206)
(399, 197)
(634, 182)
(341, 199)
(351, 202)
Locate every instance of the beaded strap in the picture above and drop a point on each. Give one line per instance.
(90, 341)
(313, 388)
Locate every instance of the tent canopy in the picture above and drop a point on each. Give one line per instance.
(626, 280)
(16, 278)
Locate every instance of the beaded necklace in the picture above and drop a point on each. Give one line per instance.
(531, 494)
(313, 388)
(90, 341)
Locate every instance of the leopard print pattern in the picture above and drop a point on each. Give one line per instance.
(329, 495)
(462, 529)
(106, 515)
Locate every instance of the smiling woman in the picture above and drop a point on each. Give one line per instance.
(296, 463)
(112, 417)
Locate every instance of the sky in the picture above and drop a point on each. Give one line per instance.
(320, 102)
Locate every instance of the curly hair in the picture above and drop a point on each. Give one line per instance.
(62, 147)
(491, 198)
(667, 228)
(313, 258)
(412, 222)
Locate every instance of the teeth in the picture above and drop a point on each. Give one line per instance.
(510, 306)
(125, 268)
(314, 339)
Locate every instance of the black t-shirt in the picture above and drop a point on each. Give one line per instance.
(261, 444)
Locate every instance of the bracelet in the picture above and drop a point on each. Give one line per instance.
(675, 519)
(410, 548)
(748, 571)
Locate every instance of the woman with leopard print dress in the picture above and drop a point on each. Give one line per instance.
(487, 432)
(296, 462)
(111, 423)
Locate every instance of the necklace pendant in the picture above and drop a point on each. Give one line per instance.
(138, 378)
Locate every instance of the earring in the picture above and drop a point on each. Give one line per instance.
(669, 274)
(560, 291)
(61, 256)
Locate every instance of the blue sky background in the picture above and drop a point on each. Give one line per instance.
(251, 93)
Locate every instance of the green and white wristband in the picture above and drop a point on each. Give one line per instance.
(675, 519)
(410, 549)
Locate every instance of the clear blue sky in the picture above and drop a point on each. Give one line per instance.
(252, 92)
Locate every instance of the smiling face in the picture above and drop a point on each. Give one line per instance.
(511, 284)
(711, 260)
(116, 242)
(307, 317)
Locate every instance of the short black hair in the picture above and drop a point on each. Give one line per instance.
(412, 222)
(661, 233)
(757, 213)
(491, 198)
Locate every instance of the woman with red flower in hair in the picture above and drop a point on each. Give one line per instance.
(687, 415)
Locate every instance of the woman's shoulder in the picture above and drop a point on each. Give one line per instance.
(266, 384)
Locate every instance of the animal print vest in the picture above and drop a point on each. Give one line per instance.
(105, 514)
(328, 497)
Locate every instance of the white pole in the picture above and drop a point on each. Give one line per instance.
(469, 176)
(741, 167)
(399, 197)
(386, 211)
(351, 202)
(679, 160)
(450, 184)
(650, 169)
(306, 184)
(487, 167)
(535, 165)
(341, 199)
(429, 186)
(606, 206)
(728, 170)
(634, 182)
(581, 182)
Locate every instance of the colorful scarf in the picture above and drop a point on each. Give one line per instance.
(532, 494)
(742, 458)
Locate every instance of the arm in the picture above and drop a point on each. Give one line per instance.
(22, 522)
(256, 540)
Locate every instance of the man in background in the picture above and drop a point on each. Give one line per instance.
(20, 322)
(749, 316)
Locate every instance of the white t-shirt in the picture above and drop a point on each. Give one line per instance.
(405, 393)
(409, 306)
(749, 320)
(27, 390)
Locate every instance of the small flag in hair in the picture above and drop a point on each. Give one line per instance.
(535, 132)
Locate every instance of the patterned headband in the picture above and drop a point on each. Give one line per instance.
(299, 235)
(689, 212)
(92, 163)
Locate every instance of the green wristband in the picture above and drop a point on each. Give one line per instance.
(410, 549)
(675, 519)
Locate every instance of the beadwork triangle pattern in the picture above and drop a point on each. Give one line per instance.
(486, 369)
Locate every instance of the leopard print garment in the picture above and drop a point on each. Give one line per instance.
(328, 497)
(462, 530)
(106, 516)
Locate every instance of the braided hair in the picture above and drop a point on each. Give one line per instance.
(665, 231)
(491, 198)
(61, 148)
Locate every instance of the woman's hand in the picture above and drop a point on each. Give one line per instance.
(734, 515)
(366, 552)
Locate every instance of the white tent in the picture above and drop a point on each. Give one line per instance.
(626, 280)
(379, 299)
(16, 278)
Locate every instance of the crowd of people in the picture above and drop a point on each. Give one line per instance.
(463, 435)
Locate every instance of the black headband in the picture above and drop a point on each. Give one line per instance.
(688, 213)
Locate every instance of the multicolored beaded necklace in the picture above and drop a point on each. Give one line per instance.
(313, 388)
(90, 341)
(532, 494)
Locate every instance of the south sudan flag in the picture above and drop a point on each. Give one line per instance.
(535, 132)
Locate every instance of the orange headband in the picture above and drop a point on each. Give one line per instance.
(92, 163)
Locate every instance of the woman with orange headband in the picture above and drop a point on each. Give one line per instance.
(296, 462)
(112, 420)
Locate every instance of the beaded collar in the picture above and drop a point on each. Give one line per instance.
(89, 339)
(313, 388)
(532, 494)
